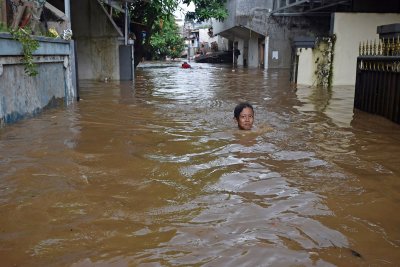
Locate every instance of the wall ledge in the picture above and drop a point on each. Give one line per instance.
(48, 46)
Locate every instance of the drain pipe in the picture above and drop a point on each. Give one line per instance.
(67, 7)
(266, 49)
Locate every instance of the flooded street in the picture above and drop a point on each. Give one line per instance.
(156, 173)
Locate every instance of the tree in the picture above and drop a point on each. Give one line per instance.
(207, 9)
(166, 40)
(146, 14)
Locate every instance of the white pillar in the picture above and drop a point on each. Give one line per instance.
(266, 49)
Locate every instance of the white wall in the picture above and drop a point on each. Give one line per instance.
(350, 30)
(205, 38)
(223, 43)
(306, 66)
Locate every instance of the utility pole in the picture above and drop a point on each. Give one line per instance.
(189, 43)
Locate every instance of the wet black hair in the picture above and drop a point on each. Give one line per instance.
(240, 107)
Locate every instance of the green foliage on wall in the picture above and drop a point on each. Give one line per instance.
(29, 45)
(325, 49)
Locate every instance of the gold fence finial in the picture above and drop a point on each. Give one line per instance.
(383, 47)
(363, 49)
(389, 47)
(374, 50)
(371, 49)
(398, 46)
(393, 47)
(379, 48)
(366, 48)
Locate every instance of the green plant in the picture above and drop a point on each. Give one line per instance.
(166, 40)
(146, 14)
(29, 45)
(3, 28)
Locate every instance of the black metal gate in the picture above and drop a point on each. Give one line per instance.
(377, 89)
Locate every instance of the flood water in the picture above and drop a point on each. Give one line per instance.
(155, 173)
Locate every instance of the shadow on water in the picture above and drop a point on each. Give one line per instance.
(155, 173)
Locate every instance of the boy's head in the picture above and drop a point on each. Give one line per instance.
(244, 115)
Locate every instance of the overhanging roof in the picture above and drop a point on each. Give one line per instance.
(240, 31)
(309, 7)
(326, 7)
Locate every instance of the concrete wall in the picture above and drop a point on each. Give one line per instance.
(253, 14)
(22, 95)
(229, 22)
(253, 57)
(249, 53)
(350, 30)
(97, 39)
(240, 46)
(279, 53)
(245, 24)
(282, 30)
(98, 58)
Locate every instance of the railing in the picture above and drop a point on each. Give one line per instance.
(377, 89)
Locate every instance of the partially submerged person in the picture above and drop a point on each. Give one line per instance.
(185, 65)
(244, 115)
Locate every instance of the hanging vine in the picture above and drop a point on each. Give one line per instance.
(29, 45)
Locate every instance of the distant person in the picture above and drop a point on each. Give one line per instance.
(244, 115)
(237, 53)
(185, 65)
(203, 50)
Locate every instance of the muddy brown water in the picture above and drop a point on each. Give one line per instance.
(155, 173)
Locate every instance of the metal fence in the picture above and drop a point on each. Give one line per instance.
(377, 89)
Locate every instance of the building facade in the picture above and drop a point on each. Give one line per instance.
(264, 40)
(317, 40)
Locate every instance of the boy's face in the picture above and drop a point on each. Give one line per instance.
(246, 119)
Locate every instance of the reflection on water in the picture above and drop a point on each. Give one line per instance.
(155, 173)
